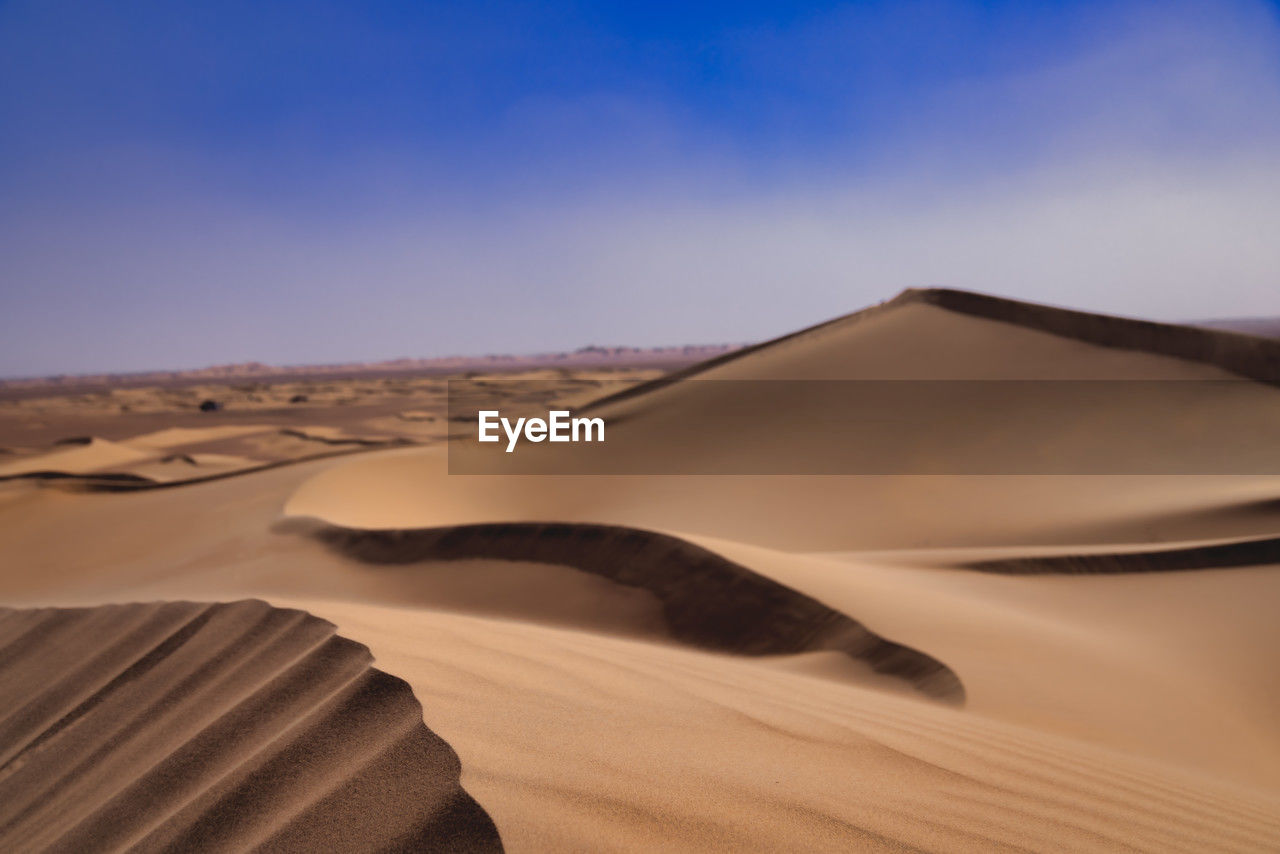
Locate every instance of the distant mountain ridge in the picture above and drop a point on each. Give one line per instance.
(1264, 327)
(583, 357)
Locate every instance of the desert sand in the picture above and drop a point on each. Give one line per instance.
(555, 660)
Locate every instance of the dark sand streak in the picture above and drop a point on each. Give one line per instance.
(708, 601)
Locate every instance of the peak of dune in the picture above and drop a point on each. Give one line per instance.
(1232, 349)
(945, 333)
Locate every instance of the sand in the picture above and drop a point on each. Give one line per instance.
(894, 662)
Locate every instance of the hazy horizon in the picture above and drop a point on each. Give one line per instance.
(445, 357)
(1265, 324)
(346, 182)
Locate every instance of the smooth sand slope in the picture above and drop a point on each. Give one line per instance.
(585, 742)
(971, 662)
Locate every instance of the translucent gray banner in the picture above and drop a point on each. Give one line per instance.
(865, 427)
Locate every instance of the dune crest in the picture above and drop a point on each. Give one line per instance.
(1236, 353)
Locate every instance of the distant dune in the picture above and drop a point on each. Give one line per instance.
(150, 437)
(1265, 327)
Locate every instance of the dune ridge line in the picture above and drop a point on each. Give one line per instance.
(1248, 356)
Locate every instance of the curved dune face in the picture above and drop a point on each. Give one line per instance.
(707, 601)
(180, 726)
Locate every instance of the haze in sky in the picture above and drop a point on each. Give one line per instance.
(192, 183)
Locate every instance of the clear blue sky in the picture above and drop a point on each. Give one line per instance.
(193, 183)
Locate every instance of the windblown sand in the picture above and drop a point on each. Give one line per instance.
(893, 662)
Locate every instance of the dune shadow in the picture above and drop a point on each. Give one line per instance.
(707, 601)
(1243, 553)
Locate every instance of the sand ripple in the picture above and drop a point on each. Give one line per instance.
(180, 725)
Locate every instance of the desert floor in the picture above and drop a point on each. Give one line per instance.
(566, 662)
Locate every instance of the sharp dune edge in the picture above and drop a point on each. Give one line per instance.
(680, 663)
(1249, 356)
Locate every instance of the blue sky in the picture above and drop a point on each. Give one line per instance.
(184, 184)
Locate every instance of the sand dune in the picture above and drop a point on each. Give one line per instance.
(336, 436)
(179, 437)
(172, 726)
(689, 662)
(155, 461)
(93, 456)
(673, 423)
(944, 334)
